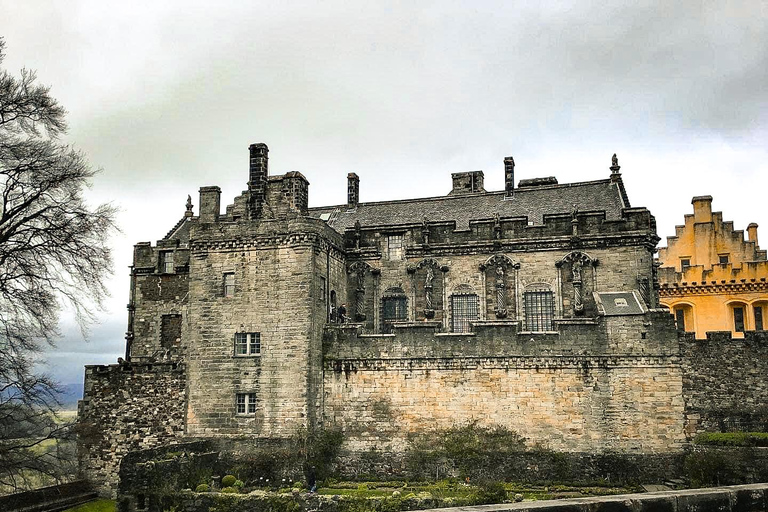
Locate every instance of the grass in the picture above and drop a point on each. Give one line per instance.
(95, 506)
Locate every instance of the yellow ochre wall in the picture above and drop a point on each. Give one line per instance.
(706, 290)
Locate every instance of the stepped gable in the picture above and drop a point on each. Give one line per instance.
(533, 202)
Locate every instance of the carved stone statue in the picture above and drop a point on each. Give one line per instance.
(614, 160)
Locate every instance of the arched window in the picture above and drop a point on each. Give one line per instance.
(683, 314)
(539, 307)
(464, 310)
(394, 308)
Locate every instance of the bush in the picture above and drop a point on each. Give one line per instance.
(228, 481)
(239, 484)
(230, 490)
(732, 439)
(491, 492)
(202, 488)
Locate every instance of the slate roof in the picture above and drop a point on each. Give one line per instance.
(533, 202)
(618, 303)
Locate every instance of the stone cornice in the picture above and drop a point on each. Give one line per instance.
(581, 363)
(675, 290)
(300, 239)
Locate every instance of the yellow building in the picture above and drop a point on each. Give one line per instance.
(710, 278)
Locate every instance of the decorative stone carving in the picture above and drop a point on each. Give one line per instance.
(425, 232)
(357, 234)
(430, 266)
(358, 269)
(502, 266)
(577, 261)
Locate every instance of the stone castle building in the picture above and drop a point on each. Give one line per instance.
(711, 278)
(535, 308)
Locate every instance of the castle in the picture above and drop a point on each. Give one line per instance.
(535, 308)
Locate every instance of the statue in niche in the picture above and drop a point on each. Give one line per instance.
(429, 311)
(501, 292)
(359, 269)
(576, 270)
(358, 234)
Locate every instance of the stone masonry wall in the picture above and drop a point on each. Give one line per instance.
(573, 391)
(127, 407)
(724, 382)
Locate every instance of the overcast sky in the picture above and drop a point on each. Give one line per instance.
(166, 96)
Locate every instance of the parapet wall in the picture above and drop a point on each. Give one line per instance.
(127, 407)
(724, 382)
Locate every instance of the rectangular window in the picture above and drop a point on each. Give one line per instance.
(464, 310)
(395, 247)
(738, 319)
(170, 330)
(539, 310)
(680, 319)
(759, 318)
(166, 262)
(323, 289)
(723, 258)
(247, 344)
(229, 284)
(684, 263)
(246, 403)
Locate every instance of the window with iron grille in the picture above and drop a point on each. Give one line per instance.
(247, 344)
(539, 305)
(246, 403)
(166, 262)
(395, 247)
(229, 284)
(394, 309)
(463, 311)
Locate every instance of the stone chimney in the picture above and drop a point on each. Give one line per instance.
(257, 178)
(752, 233)
(702, 209)
(509, 175)
(353, 190)
(210, 204)
(467, 183)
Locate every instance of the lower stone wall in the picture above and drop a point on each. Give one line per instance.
(567, 403)
(127, 407)
(724, 382)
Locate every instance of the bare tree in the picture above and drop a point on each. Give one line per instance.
(53, 252)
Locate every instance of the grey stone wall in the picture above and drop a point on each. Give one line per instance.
(127, 407)
(724, 382)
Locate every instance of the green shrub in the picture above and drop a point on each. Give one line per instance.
(491, 492)
(239, 484)
(706, 468)
(202, 488)
(228, 480)
(230, 490)
(732, 439)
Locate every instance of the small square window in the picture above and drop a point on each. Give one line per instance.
(723, 259)
(166, 262)
(395, 247)
(229, 284)
(247, 344)
(685, 263)
(246, 403)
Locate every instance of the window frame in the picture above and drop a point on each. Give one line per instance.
(248, 401)
(685, 263)
(543, 321)
(228, 289)
(743, 320)
(386, 322)
(396, 251)
(727, 257)
(251, 344)
(164, 261)
(464, 322)
(759, 317)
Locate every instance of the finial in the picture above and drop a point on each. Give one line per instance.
(188, 213)
(615, 164)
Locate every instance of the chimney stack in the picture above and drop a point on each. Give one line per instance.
(257, 177)
(353, 190)
(702, 209)
(210, 204)
(509, 175)
(752, 233)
